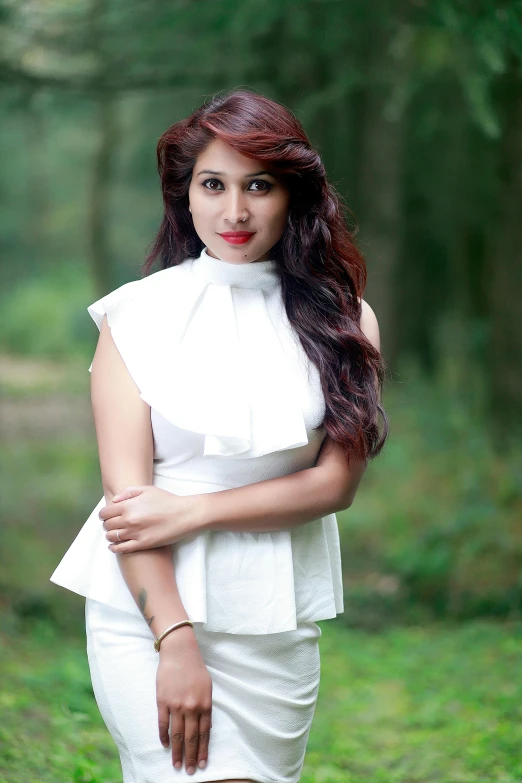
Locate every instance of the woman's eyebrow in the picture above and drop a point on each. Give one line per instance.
(221, 173)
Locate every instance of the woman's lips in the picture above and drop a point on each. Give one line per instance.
(237, 237)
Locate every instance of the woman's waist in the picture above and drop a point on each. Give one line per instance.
(212, 474)
(191, 482)
(187, 485)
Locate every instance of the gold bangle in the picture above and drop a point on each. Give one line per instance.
(157, 643)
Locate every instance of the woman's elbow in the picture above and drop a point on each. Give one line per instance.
(344, 502)
(349, 488)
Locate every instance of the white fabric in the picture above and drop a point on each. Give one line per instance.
(234, 400)
(264, 691)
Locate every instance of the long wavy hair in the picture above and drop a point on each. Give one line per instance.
(322, 272)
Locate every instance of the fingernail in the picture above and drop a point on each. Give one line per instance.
(190, 770)
(178, 764)
(202, 764)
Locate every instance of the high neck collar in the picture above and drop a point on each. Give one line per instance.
(251, 274)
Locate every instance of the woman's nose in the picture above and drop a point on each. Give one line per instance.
(235, 208)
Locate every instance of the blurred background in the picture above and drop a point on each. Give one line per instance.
(416, 108)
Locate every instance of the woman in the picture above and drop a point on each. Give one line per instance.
(235, 396)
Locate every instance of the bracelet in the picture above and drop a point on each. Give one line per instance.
(160, 638)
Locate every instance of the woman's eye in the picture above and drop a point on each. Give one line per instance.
(212, 184)
(260, 184)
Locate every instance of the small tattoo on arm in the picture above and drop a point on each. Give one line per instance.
(142, 600)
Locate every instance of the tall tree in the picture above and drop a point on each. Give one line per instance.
(381, 174)
(506, 265)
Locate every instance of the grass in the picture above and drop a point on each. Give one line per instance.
(414, 705)
(51, 729)
(409, 705)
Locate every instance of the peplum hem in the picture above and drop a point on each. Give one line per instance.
(241, 583)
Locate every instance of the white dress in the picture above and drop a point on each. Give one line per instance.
(234, 400)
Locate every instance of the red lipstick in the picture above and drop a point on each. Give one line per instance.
(237, 237)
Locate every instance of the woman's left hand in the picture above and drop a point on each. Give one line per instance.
(148, 517)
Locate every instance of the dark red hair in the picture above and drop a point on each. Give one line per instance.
(322, 271)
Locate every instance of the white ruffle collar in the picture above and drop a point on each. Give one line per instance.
(210, 348)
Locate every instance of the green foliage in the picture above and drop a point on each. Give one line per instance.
(49, 487)
(437, 522)
(51, 729)
(46, 315)
(440, 79)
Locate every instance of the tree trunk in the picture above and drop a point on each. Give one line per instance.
(38, 192)
(380, 195)
(506, 273)
(101, 260)
(99, 201)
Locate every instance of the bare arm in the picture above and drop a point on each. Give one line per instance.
(287, 501)
(125, 446)
(301, 497)
(275, 504)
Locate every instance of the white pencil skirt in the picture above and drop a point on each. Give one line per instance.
(264, 692)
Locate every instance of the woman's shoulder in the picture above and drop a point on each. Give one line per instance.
(142, 291)
(369, 324)
(158, 280)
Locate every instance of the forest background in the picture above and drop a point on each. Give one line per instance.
(416, 108)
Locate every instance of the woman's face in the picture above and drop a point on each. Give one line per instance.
(238, 207)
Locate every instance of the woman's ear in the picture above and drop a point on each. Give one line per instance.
(190, 210)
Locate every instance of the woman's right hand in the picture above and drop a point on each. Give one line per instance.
(184, 697)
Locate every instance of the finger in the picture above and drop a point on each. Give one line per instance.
(191, 741)
(124, 548)
(163, 724)
(131, 545)
(204, 738)
(177, 731)
(117, 536)
(114, 523)
(128, 493)
(109, 514)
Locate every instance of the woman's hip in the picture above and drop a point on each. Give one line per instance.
(286, 663)
(264, 692)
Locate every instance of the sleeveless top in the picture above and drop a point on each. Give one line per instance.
(234, 400)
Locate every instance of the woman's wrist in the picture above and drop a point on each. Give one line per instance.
(202, 512)
(181, 638)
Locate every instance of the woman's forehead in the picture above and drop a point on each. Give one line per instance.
(220, 159)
